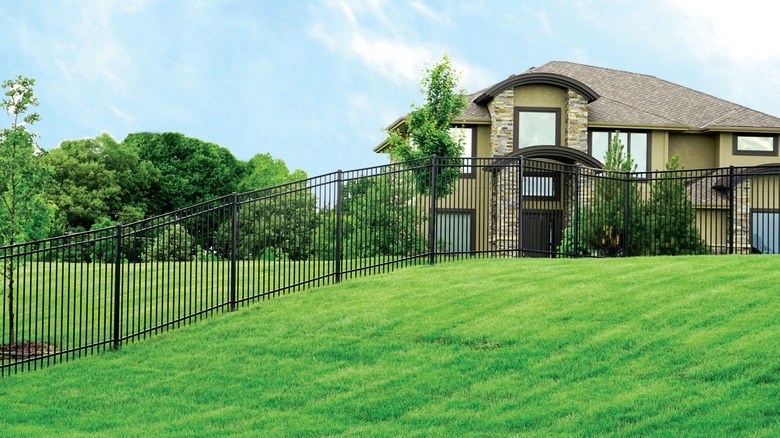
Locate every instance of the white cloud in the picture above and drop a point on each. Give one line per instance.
(429, 13)
(388, 48)
(743, 31)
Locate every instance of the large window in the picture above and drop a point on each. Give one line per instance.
(537, 126)
(467, 137)
(755, 144)
(765, 227)
(635, 143)
(455, 231)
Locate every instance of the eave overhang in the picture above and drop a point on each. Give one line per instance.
(532, 78)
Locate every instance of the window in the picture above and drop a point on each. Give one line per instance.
(536, 126)
(755, 144)
(466, 136)
(765, 229)
(540, 186)
(455, 230)
(634, 143)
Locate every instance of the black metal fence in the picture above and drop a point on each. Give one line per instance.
(88, 292)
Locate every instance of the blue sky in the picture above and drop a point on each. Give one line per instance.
(314, 82)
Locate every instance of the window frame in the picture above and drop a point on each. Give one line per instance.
(472, 232)
(735, 144)
(467, 163)
(534, 109)
(610, 134)
(556, 185)
(756, 211)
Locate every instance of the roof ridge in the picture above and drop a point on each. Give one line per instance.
(601, 68)
(737, 110)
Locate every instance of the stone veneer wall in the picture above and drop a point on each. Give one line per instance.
(576, 121)
(502, 110)
(506, 209)
(740, 220)
(506, 186)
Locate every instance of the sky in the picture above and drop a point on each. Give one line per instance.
(315, 82)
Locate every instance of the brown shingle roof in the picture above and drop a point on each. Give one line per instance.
(644, 100)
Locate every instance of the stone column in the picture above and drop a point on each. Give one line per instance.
(740, 220)
(502, 110)
(576, 121)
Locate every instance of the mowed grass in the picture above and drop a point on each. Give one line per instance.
(639, 346)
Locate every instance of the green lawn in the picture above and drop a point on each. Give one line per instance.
(639, 346)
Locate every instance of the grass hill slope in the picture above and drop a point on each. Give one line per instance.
(639, 346)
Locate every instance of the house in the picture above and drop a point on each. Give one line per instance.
(567, 113)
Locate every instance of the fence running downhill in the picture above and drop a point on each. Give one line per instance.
(88, 292)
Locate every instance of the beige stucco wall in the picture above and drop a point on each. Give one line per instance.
(696, 151)
(659, 149)
(727, 158)
(543, 96)
(483, 141)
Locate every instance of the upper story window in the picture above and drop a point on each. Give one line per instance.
(466, 135)
(755, 144)
(635, 143)
(536, 126)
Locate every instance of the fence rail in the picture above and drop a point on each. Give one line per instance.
(89, 292)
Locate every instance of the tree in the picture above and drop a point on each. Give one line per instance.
(172, 244)
(191, 170)
(263, 171)
(428, 129)
(379, 218)
(672, 218)
(24, 212)
(279, 223)
(602, 226)
(100, 178)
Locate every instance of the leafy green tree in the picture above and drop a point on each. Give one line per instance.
(428, 129)
(379, 217)
(191, 170)
(172, 244)
(602, 225)
(263, 171)
(671, 216)
(100, 178)
(280, 223)
(25, 214)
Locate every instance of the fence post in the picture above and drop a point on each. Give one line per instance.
(626, 212)
(233, 251)
(339, 222)
(520, 210)
(117, 284)
(432, 218)
(576, 218)
(731, 214)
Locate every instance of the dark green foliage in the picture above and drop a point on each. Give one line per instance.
(602, 223)
(105, 247)
(100, 178)
(428, 129)
(191, 170)
(281, 223)
(664, 225)
(379, 217)
(673, 223)
(172, 244)
(263, 171)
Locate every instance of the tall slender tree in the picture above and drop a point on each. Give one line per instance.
(24, 213)
(428, 129)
